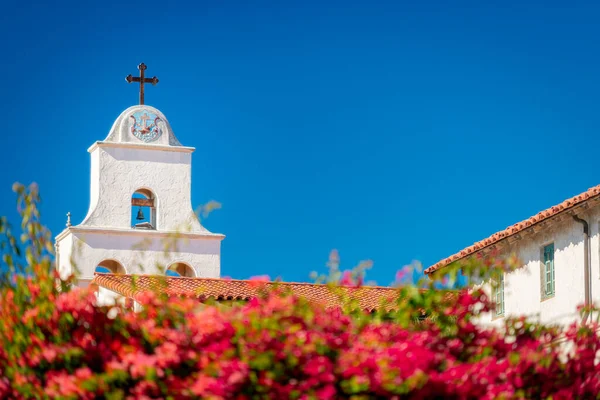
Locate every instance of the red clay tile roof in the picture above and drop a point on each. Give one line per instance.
(369, 297)
(518, 227)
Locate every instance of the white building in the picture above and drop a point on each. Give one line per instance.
(141, 233)
(140, 219)
(560, 252)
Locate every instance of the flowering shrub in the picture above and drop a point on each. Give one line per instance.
(57, 343)
(277, 346)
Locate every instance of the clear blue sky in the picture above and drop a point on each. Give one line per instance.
(391, 131)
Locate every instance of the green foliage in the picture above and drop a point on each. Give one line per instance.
(56, 342)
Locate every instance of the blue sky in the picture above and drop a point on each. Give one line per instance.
(391, 131)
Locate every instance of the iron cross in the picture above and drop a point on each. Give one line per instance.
(154, 80)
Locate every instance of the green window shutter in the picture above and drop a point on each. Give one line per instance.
(499, 296)
(549, 270)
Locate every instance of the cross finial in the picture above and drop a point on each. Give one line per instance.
(141, 79)
(68, 219)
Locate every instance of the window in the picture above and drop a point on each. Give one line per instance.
(548, 271)
(180, 269)
(110, 267)
(499, 295)
(143, 209)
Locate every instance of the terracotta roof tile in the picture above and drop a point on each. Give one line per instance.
(369, 297)
(518, 227)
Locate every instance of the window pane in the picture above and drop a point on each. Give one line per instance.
(499, 296)
(549, 269)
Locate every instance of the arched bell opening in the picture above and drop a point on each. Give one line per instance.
(181, 270)
(143, 209)
(110, 267)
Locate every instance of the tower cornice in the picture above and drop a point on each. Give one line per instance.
(142, 233)
(140, 146)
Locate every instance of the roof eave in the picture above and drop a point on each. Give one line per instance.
(519, 234)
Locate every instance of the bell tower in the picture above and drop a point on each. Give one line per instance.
(140, 219)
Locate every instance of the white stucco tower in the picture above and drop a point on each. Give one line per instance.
(140, 219)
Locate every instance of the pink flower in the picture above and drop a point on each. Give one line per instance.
(258, 281)
(346, 279)
(403, 273)
(280, 346)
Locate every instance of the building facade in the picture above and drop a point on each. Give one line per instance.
(141, 233)
(140, 219)
(559, 253)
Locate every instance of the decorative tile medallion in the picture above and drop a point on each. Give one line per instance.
(144, 126)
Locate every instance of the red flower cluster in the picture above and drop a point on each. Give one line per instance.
(60, 345)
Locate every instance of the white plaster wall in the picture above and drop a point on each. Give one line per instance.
(117, 172)
(105, 297)
(148, 254)
(121, 165)
(594, 222)
(94, 183)
(64, 245)
(523, 292)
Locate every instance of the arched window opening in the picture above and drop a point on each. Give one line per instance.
(180, 269)
(110, 267)
(143, 209)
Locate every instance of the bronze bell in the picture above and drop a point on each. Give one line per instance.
(140, 215)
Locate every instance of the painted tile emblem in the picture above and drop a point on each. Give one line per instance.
(144, 126)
